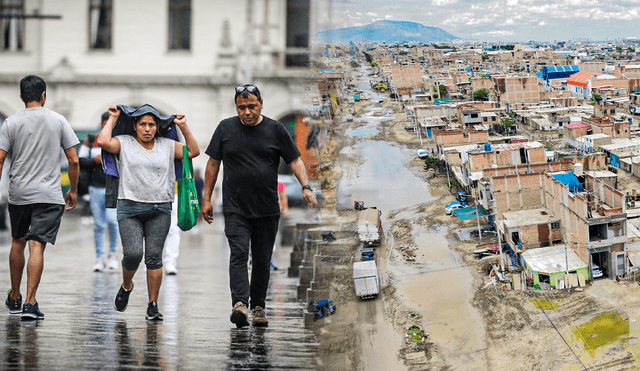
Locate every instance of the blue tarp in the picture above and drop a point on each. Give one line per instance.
(470, 212)
(570, 180)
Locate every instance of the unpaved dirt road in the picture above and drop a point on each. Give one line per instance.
(472, 324)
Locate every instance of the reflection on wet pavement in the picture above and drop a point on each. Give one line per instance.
(81, 330)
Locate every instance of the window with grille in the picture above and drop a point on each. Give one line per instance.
(179, 24)
(100, 13)
(12, 24)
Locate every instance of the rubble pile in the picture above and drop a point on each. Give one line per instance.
(408, 252)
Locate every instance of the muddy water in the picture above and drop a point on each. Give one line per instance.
(437, 284)
(442, 292)
(382, 180)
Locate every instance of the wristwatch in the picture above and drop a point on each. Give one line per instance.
(307, 187)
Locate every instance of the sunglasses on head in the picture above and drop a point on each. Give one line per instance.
(249, 88)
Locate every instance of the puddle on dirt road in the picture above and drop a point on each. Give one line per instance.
(363, 132)
(381, 180)
(442, 292)
(372, 117)
(440, 286)
(605, 329)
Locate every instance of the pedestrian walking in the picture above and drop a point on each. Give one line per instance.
(146, 189)
(90, 155)
(35, 137)
(250, 145)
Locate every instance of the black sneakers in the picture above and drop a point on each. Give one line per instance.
(31, 312)
(122, 298)
(153, 314)
(14, 305)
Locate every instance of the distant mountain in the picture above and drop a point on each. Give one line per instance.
(389, 32)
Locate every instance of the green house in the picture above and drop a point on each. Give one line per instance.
(546, 265)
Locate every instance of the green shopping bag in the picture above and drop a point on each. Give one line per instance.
(188, 207)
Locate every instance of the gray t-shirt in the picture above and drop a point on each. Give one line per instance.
(146, 175)
(34, 137)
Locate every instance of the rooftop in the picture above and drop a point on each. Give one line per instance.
(552, 259)
(523, 218)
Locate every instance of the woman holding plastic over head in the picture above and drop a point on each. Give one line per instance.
(147, 176)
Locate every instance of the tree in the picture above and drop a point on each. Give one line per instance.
(481, 94)
(597, 97)
(443, 90)
(355, 64)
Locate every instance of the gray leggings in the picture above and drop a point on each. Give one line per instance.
(151, 226)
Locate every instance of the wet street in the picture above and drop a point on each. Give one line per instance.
(81, 330)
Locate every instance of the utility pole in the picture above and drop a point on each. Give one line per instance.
(477, 216)
(495, 212)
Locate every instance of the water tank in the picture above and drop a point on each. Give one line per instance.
(487, 147)
(577, 169)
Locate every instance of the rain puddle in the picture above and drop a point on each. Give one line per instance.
(438, 281)
(363, 132)
(442, 284)
(382, 180)
(373, 116)
(605, 329)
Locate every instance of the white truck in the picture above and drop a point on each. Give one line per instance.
(369, 226)
(365, 279)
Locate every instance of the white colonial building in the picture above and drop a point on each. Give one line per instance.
(177, 55)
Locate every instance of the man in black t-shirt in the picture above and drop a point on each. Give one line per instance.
(250, 145)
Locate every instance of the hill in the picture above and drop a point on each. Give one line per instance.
(388, 32)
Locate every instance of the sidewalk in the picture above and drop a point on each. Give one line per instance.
(81, 330)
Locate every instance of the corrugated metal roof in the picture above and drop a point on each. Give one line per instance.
(634, 258)
(552, 259)
(580, 78)
(568, 68)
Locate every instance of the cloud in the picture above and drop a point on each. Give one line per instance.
(493, 34)
(554, 19)
(443, 2)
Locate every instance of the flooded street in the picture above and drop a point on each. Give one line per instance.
(438, 284)
(82, 331)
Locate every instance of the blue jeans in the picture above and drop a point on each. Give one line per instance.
(103, 217)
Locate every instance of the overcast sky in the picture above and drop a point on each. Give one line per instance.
(495, 20)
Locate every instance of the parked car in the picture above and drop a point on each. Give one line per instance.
(422, 153)
(380, 100)
(348, 117)
(462, 196)
(597, 272)
(409, 128)
(454, 205)
(322, 308)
